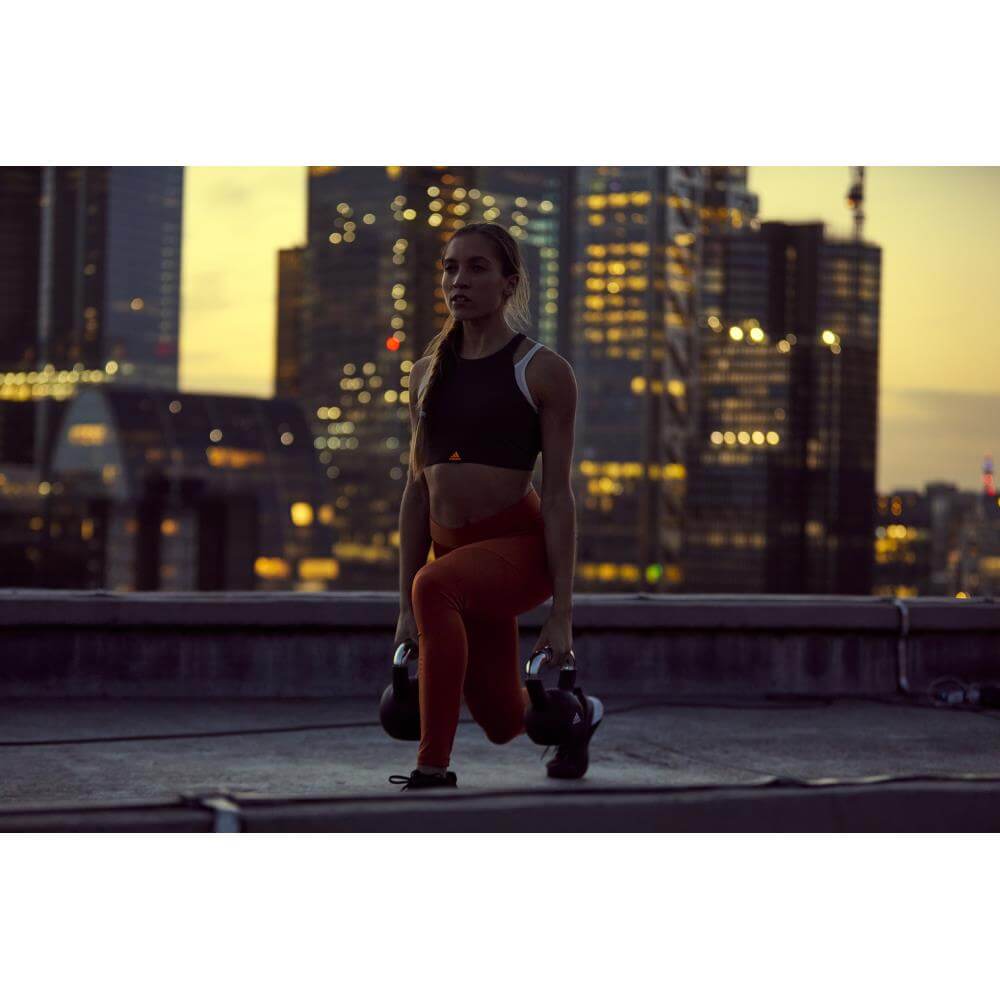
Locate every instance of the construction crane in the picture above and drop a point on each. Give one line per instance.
(856, 199)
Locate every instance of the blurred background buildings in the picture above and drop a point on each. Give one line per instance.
(727, 370)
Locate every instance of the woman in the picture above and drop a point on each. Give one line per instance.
(484, 400)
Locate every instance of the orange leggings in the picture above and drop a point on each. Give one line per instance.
(465, 603)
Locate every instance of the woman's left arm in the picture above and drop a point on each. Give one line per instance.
(557, 404)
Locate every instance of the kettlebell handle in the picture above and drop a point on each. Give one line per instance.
(567, 673)
(546, 702)
(405, 651)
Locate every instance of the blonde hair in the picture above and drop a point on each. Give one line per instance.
(516, 313)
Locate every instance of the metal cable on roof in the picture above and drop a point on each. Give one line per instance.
(777, 702)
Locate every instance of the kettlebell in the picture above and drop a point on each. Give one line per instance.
(555, 715)
(399, 709)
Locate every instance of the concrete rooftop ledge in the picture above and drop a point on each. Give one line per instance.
(366, 609)
(932, 806)
(336, 644)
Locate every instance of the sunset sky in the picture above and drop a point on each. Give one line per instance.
(939, 229)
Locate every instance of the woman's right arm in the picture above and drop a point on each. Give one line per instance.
(414, 511)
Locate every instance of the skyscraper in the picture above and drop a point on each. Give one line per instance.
(373, 302)
(89, 293)
(90, 267)
(834, 310)
(735, 490)
(783, 483)
(369, 313)
(110, 275)
(633, 301)
(20, 236)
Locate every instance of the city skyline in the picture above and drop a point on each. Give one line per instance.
(937, 227)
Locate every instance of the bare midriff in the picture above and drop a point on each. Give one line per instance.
(463, 492)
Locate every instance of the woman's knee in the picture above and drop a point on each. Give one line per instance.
(426, 581)
(504, 734)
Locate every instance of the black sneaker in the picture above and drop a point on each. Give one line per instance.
(418, 779)
(572, 759)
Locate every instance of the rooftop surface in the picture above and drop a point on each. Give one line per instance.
(256, 712)
(776, 763)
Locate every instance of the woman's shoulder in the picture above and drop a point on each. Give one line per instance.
(542, 356)
(533, 347)
(420, 368)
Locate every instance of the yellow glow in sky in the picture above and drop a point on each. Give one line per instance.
(235, 220)
(939, 229)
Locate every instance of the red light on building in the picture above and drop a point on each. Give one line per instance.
(392, 344)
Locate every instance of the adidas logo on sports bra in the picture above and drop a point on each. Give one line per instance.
(454, 457)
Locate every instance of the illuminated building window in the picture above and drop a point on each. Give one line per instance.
(234, 458)
(318, 569)
(271, 568)
(87, 435)
(301, 514)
